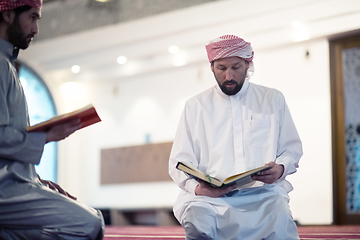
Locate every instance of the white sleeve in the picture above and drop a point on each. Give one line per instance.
(183, 150)
(289, 147)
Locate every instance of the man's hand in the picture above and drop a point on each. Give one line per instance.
(204, 189)
(56, 188)
(271, 175)
(62, 131)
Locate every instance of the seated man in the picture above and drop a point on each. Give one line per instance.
(230, 128)
(31, 208)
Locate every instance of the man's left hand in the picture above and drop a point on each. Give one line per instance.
(271, 175)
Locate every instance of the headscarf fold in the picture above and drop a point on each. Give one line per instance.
(230, 46)
(12, 4)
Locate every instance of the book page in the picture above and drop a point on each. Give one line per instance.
(244, 174)
(198, 174)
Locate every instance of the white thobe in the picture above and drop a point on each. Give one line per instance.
(224, 135)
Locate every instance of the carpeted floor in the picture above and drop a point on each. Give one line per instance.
(329, 232)
(176, 232)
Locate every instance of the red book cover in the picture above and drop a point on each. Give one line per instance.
(87, 116)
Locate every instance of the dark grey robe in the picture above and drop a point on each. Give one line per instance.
(29, 210)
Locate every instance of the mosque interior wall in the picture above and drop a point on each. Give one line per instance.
(141, 101)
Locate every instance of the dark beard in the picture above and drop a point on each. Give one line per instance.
(17, 36)
(233, 91)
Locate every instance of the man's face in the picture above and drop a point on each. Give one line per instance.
(230, 74)
(23, 28)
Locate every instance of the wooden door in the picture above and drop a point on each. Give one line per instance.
(345, 105)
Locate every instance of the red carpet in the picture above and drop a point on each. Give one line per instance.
(176, 232)
(148, 233)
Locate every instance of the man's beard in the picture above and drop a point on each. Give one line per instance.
(237, 87)
(233, 91)
(17, 36)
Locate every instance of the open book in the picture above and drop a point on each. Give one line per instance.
(240, 179)
(87, 116)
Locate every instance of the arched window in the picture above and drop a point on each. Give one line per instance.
(41, 107)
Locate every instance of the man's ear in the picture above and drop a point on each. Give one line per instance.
(212, 66)
(8, 16)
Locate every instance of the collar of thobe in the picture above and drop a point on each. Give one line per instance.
(14, 54)
(243, 89)
(8, 50)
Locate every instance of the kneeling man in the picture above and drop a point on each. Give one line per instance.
(31, 208)
(230, 128)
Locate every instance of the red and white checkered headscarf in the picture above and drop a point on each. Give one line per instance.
(12, 4)
(231, 46)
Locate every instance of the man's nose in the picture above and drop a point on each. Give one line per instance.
(35, 28)
(229, 74)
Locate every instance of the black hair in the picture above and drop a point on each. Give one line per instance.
(18, 11)
(246, 61)
(358, 129)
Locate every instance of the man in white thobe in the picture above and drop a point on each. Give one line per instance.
(230, 128)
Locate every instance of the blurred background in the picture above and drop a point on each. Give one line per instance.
(138, 61)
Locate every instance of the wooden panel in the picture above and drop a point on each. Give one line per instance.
(135, 164)
(143, 216)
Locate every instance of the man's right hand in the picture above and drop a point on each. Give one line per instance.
(56, 188)
(62, 131)
(204, 189)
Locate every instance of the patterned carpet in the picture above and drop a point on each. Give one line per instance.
(176, 232)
